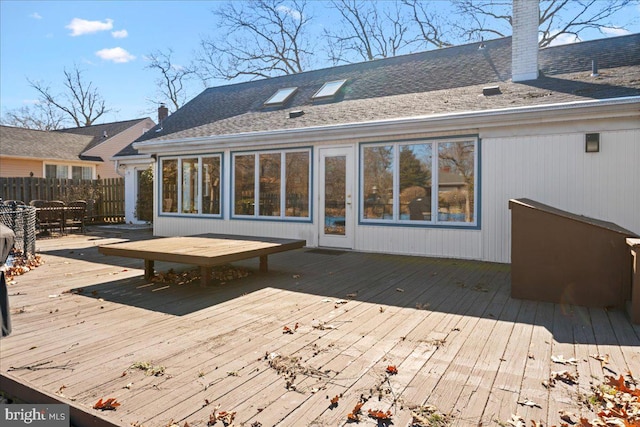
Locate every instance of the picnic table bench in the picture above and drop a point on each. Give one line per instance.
(204, 250)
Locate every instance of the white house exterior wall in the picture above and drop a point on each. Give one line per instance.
(544, 160)
(556, 170)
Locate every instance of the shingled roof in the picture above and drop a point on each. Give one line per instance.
(101, 132)
(433, 82)
(20, 142)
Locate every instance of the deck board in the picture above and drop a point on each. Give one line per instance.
(459, 341)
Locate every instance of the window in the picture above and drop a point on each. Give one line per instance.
(272, 184)
(329, 89)
(56, 171)
(81, 172)
(280, 97)
(419, 182)
(195, 190)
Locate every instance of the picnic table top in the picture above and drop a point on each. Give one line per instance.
(203, 250)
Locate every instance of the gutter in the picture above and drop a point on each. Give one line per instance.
(618, 107)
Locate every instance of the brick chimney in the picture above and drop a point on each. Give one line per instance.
(524, 42)
(163, 113)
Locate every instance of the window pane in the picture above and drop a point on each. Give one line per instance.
(335, 201)
(87, 173)
(270, 184)
(50, 171)
(170, 186)
(62, 172)
(297, 184)
(189, 185)
(456, 181)
(244, 191)
(378, 182)
(211, 185)
(415, 182)
(76, 172)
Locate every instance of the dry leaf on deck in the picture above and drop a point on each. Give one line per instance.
(287, 330)
(602, 359)
(516, 421)
(379, 415)
(392, 370)
(567, 416)
(565, 376)
(108, 405)
(529, 403)
(562, 360)
(354, 415)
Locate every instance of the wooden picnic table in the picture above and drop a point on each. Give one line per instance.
(204, 250)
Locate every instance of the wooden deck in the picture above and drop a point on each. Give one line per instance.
(458, 340)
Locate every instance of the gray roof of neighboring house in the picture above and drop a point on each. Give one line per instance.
(98, 132)
(432, 82)
(20, 142)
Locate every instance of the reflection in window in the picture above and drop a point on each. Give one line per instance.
(189, 185)
(274, 198)
(269, 184)
(244, 184)
(211, 185)
(297, 184)
(378, 182)
(170, 185)
(455, 181)
(335, 203)
(195, 190)
(398, 182)
(415, 182)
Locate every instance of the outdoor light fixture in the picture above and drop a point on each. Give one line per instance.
(592, 143)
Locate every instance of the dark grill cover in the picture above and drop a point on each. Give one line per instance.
(7, 237)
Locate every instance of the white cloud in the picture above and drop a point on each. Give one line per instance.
(35, 15)
(116, 54)
(288, 11)
(613, 31)
(79, 26)
(119, 34)
(565, 39)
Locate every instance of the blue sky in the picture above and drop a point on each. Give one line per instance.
(108, 40)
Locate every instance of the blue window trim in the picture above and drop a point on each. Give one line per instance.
(281, 218)
(159, 161)
(476, 225)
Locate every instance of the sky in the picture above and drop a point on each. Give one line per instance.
(108, 41)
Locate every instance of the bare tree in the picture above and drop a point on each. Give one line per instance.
(558, 18)
(81, 101)
(38, 117)
(262, 38)
(367, 31)
(431, 24)
(173, 77)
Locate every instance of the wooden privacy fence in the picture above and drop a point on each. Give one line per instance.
(105, 197)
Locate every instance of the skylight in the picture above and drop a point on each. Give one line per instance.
(281, 96)
(329, 89)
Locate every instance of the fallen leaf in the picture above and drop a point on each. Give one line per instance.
(352, 295)
(334, 401)
(562, 360)
(340, 301)
(399, 290)
(564, 376)
(379, 415)
(529, 403)
(516, 421)
(128, 386)
(392, 370)
(287, 330)
(108, 405)
(567, 416)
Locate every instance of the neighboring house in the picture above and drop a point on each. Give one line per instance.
(82, 153)
(416, 154)
(108, 139)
